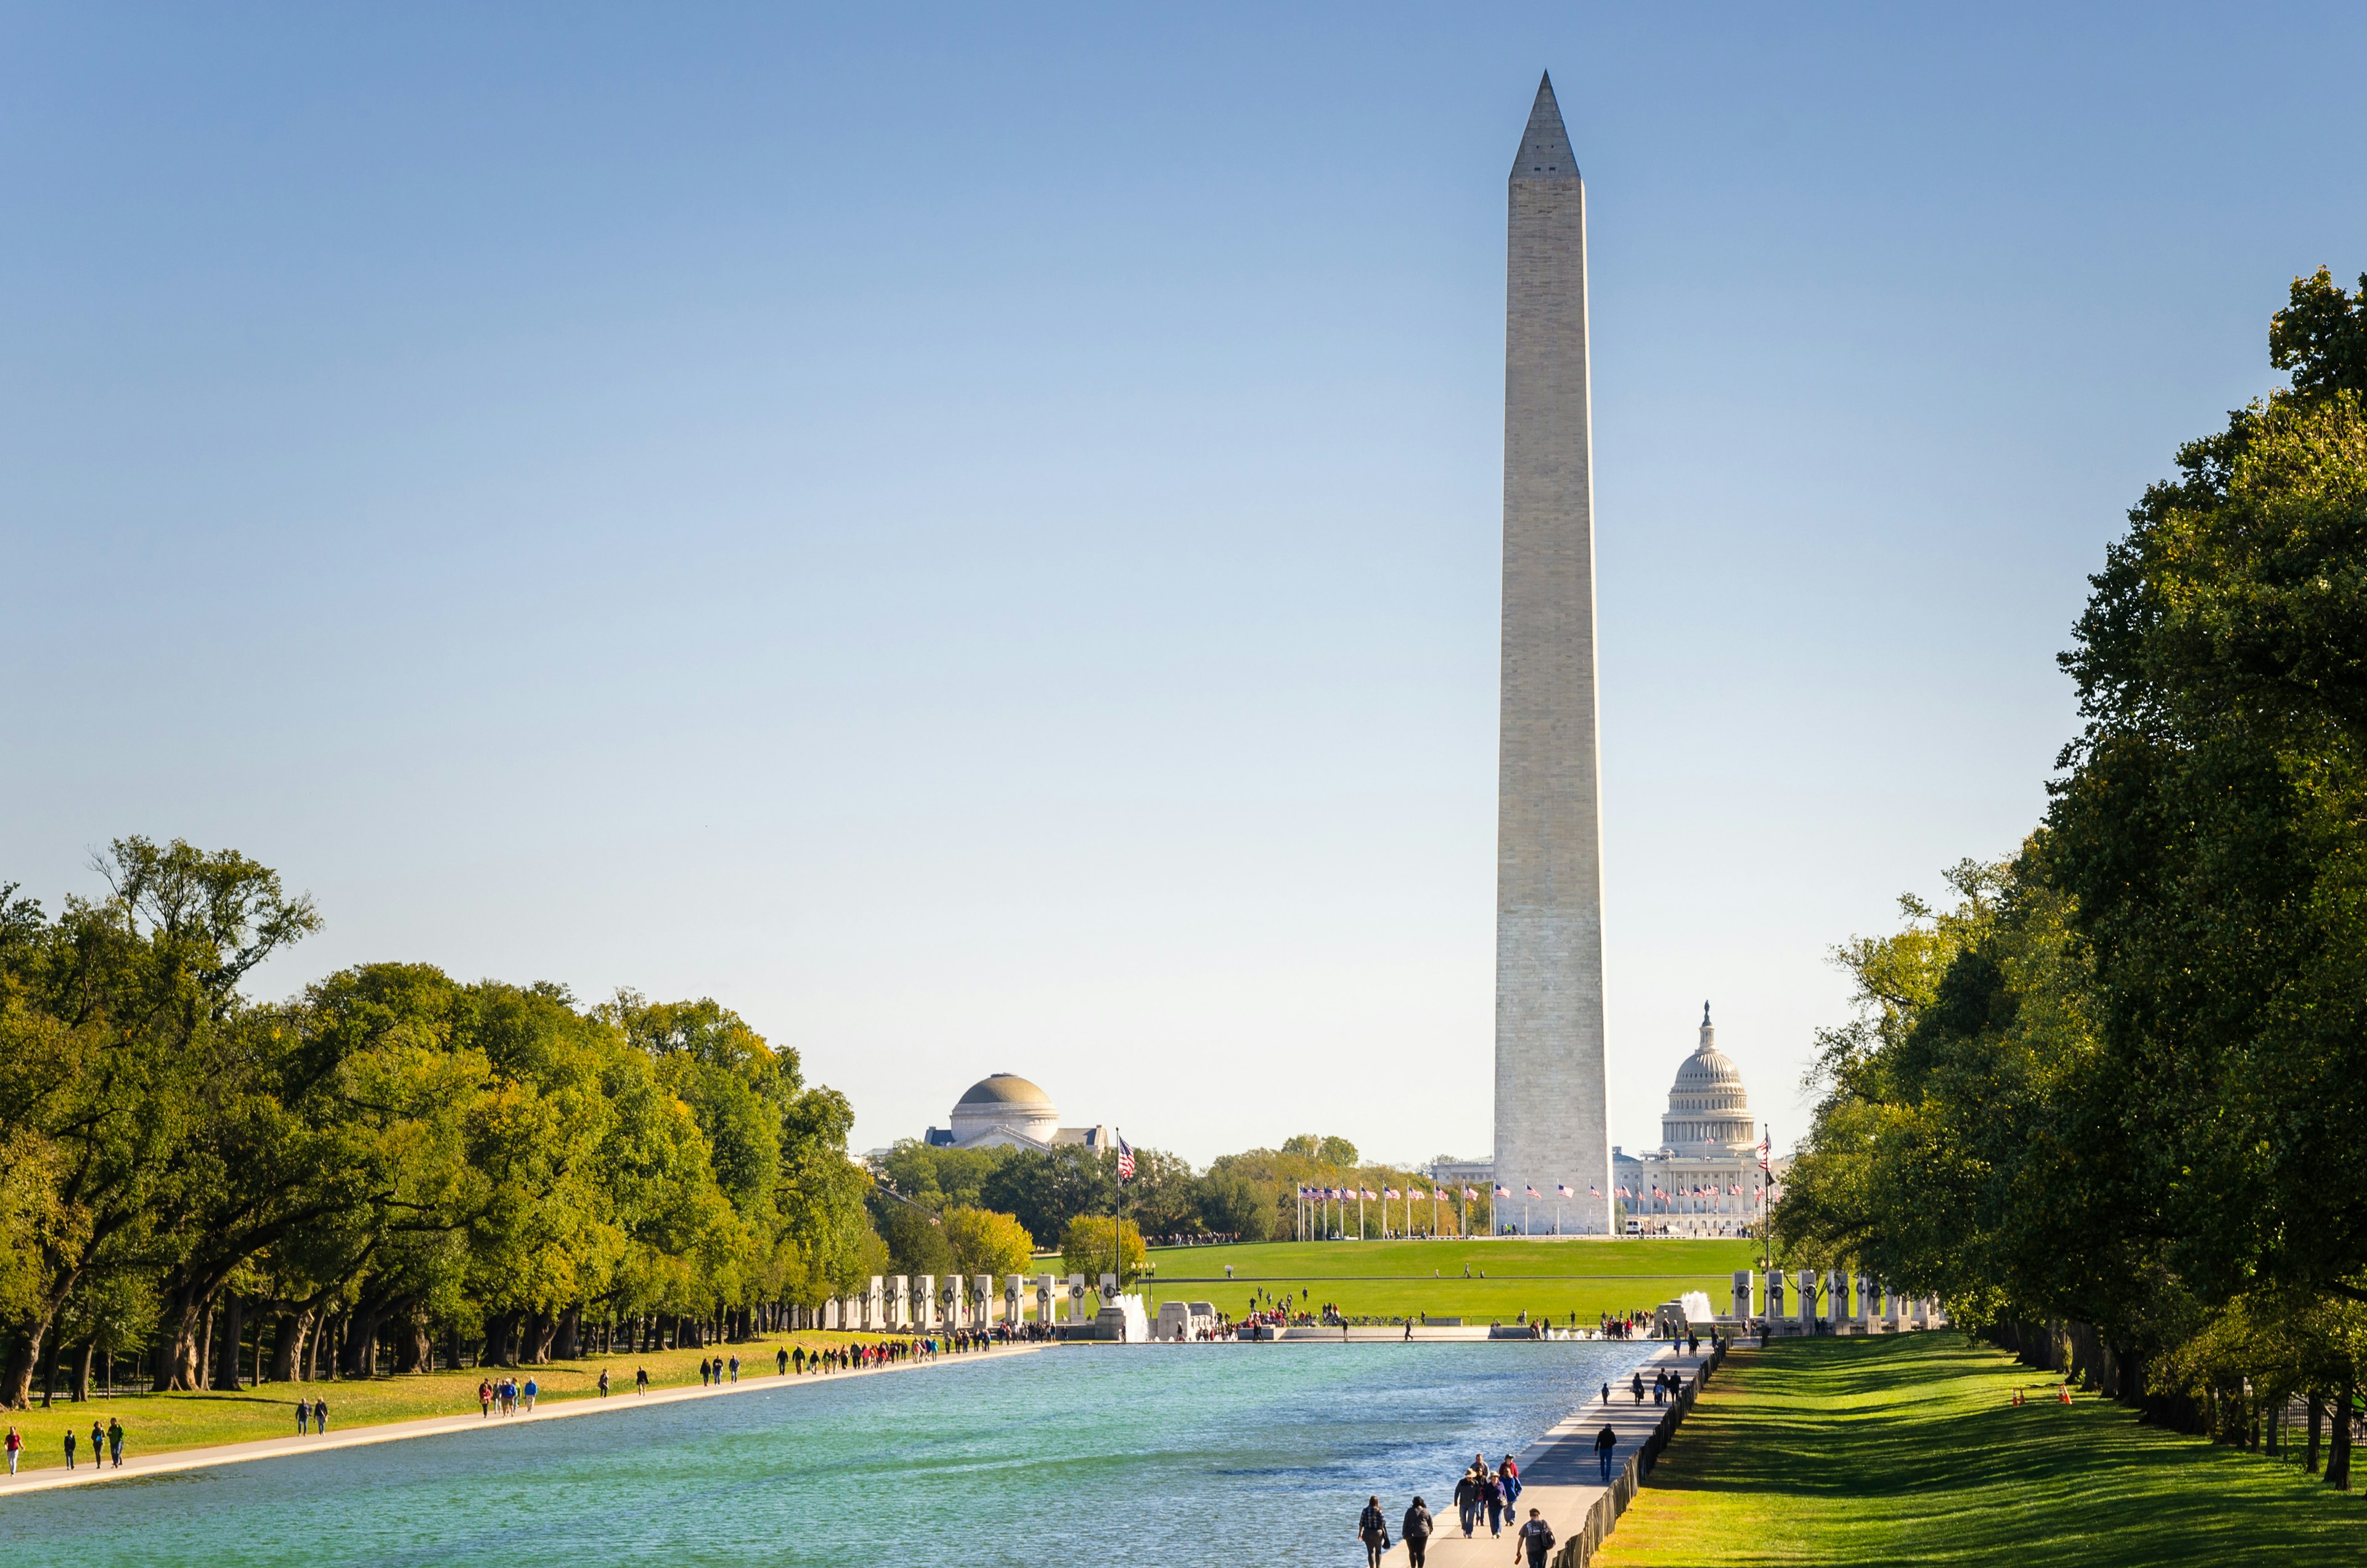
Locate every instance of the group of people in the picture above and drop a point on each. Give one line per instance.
(1666, 1386)
(104, 1441)
(1489, 1492)
(506, 1397)
(315, 1412)
(1494, 1491)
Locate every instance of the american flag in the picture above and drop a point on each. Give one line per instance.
(1502, 1190)
(1565, 1192)
(1763, 1154)
(1592, 1192)
(1470, 1192)
(1125, 1160)
(1370, 1196)
(1534, 1193)
(1389, 1192)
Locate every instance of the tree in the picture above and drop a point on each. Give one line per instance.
(393, 1152)
(984, 1242)
(1044, 1189)
(115, 1058)
(916, 1242)
(1086, 1249)
(2212, 824)
(1235, 1205)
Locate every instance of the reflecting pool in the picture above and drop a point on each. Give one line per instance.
(1148, 1454)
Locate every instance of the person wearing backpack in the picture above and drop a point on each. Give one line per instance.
(1373, 1528)
(1537, 1538)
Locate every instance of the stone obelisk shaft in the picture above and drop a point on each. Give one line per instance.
(1552, 1120)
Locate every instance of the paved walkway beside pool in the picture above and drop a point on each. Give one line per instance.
(1559, 1474)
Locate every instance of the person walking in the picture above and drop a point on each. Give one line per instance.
(1636, 1383)
(735, 1369)
(1537, 1538)
(641, 1381)
(1493, 1494)
(303, 1416)
(1466, 1499)
(1414, 1530)
(781, 1357)
(531, 1391)
(15, 1446)
(320, 1418)
(1373, 1528)
(484, 1398)
(115, 1441)
(70, 1434)
(603, 1383)
(1511, 1474)
(98, 1445)
(1605, 1442)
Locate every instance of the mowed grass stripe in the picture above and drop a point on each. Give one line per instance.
(1411, 1279)
(1907, 1449)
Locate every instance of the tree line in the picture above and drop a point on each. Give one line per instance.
(394, 1168)
(1045, 1195)
(2106, 1102)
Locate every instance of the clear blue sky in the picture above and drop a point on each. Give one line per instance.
(973, 539)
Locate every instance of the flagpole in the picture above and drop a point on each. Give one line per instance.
(1766, 1203)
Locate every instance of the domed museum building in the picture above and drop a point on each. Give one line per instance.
(1704, 1179)
(1005, 1111)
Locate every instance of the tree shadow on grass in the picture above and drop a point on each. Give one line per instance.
(1919, 1433)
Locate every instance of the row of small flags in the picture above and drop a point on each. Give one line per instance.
(1350, 1194)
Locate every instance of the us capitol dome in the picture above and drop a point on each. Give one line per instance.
(1704, 1179)
(1005, 1111)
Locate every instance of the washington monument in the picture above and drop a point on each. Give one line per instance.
(1552, 1116)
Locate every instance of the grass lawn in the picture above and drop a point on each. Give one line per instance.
(156, 1423)
(1403, 1278)
(1907, 1450)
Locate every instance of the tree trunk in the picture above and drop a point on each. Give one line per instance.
(414, 1351)
(359, 1357)
(288, 1335)
(173, 1361)
(2338, 1464)
(567, 1332)
(79, 1390)
(16, 1383)
(229, 1336)
(496, 1352)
